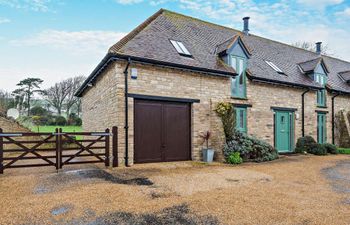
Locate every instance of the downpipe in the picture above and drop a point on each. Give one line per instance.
(126, 126)
(303, 112)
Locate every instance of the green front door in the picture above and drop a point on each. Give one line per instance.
(283, 131)
(321, 128)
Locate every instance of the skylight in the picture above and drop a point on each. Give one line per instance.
(180, 48)
(273, 66)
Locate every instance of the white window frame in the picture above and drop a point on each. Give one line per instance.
(180, 48)
(273, 66)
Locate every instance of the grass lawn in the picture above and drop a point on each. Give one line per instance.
(48, 129)
(344, 150)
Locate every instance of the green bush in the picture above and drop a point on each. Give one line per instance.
(61, 121)
(250, 148)
(304, 144)
(331, 149)
(234, 158)
(344, 150)
(317, 149)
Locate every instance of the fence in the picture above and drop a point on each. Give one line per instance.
(18, 150)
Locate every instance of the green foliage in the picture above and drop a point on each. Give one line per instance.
(304, 144)
(61, 121)
(74, 120)
(250, 148)
(317, 149)
(234, 158)
(344, 150)
(331, 149)
(227, 114)
(38, 111)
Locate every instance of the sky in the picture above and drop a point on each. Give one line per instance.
(58, 39)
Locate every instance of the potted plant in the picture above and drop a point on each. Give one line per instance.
(208, 153)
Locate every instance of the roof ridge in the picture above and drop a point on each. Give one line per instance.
(116, 47)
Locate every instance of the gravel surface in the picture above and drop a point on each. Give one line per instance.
(291, 190)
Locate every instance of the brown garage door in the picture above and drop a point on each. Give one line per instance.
(162, 131)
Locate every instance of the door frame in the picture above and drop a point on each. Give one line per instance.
(291, 118)
(189, 102)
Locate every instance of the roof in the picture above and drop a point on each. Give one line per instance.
(151, 41)
(226, 45)
(310, 66)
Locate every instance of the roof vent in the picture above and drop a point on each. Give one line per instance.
(318, 47)
(246, 25)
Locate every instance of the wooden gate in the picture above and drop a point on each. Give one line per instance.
(18, 150)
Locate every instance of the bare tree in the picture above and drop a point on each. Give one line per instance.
(74, 84)
(6, 101)
(312, 47)
(57, 95)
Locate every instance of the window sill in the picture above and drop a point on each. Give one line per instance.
(322, 107)
(239, 98)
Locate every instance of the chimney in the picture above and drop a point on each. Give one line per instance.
(246, 25)
(318, 47)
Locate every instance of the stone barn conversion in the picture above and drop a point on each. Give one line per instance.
(161, 82)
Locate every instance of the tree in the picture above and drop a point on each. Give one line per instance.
(312, 47)
(28, 87)
(56, 95)
(6, 102)
(74, 84)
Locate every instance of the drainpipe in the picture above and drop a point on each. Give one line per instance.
(126, 127)
(333, 117)
(303, 112)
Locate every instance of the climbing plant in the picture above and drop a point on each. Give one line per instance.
(342, 134)
(227, 114)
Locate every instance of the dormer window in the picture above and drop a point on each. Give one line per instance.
(320, 77)
(180, 48)
(238, 83)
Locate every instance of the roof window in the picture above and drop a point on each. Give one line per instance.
(180, 48)
(273, 66)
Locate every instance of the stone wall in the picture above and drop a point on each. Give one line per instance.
(103, 104)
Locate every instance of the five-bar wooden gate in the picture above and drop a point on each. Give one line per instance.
(57, 149)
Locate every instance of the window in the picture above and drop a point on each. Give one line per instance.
(321, 128)
(180, 48)
(241, 119)
(238, 83)
(321, 94)
(273, 66)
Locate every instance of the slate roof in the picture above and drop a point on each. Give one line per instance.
(310, 66)
(345, 75)
(150, 41)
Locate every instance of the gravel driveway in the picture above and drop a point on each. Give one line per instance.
(291, 190)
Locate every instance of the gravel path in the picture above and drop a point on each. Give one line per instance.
(339, 176)
(291, 190)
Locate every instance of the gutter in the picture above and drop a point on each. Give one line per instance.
(333, 117)
(303, 112)
(114, 57)
(269, 81)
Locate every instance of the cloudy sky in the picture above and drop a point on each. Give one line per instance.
(56, 39)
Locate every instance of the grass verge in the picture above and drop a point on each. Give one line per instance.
(49, 129)
(344, 151)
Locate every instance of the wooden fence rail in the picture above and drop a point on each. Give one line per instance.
(57, 149)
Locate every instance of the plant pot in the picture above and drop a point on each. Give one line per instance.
(208, 155)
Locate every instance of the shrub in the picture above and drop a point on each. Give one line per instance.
(331, 149)
(317, 149)
(38, 111)
(304, 144)
(234, 158)
(250, 148)
(61, 121)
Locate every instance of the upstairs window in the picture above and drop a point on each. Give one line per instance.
(321, 94)
(180, 48)
(238, 83)
(273, 66)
